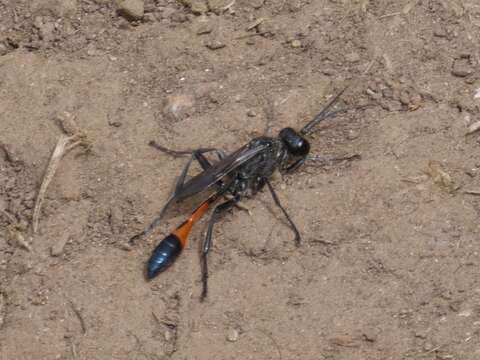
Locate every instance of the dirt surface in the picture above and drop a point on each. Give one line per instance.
(389, 265)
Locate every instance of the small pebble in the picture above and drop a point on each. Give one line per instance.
(59, 246)
(3, 204)
(462, 68)
(352, 57)
(296, 43)
(352, 135)
(232, 335)
(203, 29)
(179, 17)
(439, 32)
(149, 17)
(257, 4)
(428, 346)
(215, 45)
(474, 127)
(421, 334)
(132, 9)
(251, 113)
(370, 335)
(198, 7)
(218, 6)
(465, 313)
(391, 105)
(3, 49)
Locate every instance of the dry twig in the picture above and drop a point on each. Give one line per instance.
(78, 313)
(72, 139)
(64, 145)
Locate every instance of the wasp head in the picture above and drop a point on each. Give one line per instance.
(295, 143)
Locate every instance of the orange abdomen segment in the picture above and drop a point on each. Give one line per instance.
(184, 230)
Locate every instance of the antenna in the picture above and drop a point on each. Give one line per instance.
(324, 114)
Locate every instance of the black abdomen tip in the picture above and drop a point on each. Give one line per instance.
(163, 256)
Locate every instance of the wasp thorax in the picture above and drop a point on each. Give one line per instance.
(296, 144)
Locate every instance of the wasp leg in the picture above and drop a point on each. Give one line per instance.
(220, 153)
(295, 165)
(327, 160)
(195, 154)
(219, 209)
(277, 202)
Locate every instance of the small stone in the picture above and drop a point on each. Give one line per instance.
(150, 8)
(3, 204)
(465, 313)
(168, 12)
(218, 6)
(204, 28)
(251, 113)
(428, 346)
(352, 57)
(370, 335)
(59, 246)
(3, 49)
(328, 72)
(257, 4)
(125, 246)
(149, 18)
(404, 97)
(391, 105)
(91, 51)
(474, 127)
(45, 29)
(473, 172)
(198, 7)
(131, 9)
(439, 32)
(179, 17)
(232, 335)
(461, 68)
(215, 45)
(352, 135)
(296, 43)
(178, 107)
(421, 334)
(195, 326)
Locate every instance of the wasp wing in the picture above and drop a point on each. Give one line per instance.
(217, 171)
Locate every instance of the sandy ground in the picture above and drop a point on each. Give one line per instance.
(389, 266)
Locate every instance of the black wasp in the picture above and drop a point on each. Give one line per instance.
(241, 174)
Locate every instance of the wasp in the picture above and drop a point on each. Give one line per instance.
(241, 174)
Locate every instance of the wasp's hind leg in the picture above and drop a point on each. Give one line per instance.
(219, 209)
(194, 154)
(279, 204)
(322, 160)
(198, 153)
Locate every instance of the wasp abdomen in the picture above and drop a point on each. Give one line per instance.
(164, 255)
